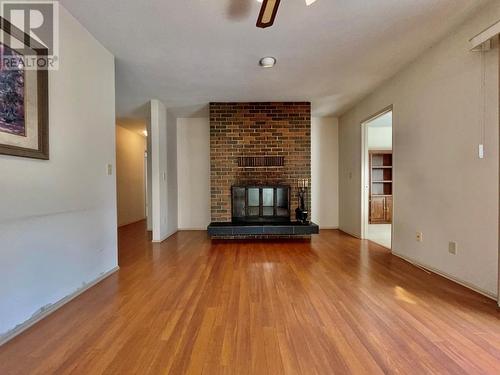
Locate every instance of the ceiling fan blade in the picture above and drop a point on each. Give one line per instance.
(268, 13)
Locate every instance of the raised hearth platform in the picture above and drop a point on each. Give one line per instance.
(262, 229)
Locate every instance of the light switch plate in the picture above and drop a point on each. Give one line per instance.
(452, 247)
(109, 168)
(420, 237)
(481, 151)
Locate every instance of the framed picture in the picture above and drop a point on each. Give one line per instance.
(23, 95)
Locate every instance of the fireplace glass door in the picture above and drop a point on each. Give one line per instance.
(267, 204)
(253, 202)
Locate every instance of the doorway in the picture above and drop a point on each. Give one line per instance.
(131, 172)
(377, 176)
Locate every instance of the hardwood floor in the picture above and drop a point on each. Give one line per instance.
(335, 305)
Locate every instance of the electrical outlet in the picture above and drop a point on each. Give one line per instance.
(420, 237)
(452, 247)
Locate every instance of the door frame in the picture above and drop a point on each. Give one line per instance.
(365, 176)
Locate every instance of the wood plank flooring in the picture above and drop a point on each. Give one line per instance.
(335, 305)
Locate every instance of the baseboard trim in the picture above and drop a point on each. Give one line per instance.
(52, 308)
(328, 227)
(350, 234)
(165, 236)
(447, 276)
(132, 222)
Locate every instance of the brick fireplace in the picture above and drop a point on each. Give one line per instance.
(258, 144)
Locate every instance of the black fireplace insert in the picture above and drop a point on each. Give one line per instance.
(260, 204)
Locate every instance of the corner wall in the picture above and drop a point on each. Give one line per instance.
(441, 187)
(193, 160)
(325, 172)
(172, 182)
(162, 138)
(58, 217)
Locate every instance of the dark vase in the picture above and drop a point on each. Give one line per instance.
(301, 211)
(301, 215)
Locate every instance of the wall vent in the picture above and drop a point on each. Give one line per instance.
(261, 161)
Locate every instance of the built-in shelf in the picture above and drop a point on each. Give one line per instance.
(380, 187)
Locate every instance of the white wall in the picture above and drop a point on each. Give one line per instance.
(324, 171)
(172, 183)
(130, 184)
(441, 186)
(380, 133)
(193, 160)
(379, 138)
(162, 136)
(58, 217)
(149, 172)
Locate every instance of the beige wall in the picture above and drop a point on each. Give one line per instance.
(325, 172)
(130, 147)
(58, 216)
(193, 172)
(379, 138)
(441, 187)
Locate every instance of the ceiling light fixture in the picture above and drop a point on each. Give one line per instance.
(267, 62)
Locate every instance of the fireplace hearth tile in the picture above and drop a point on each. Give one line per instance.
(242, 230)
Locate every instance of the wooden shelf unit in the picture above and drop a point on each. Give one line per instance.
(380, 187)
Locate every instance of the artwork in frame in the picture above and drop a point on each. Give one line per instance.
(23, 96)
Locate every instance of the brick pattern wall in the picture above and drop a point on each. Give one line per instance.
(257, 129)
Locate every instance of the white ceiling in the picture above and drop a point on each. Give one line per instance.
(190, 52)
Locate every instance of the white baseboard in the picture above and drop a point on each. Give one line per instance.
(194, 228)
(447, 276)
(350, 234)
(52, 308)
(131, 222)
(326, 227)
(165, 236)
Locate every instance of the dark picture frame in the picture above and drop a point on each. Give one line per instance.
(42, 89)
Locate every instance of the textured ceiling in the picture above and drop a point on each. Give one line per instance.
(190, 52)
